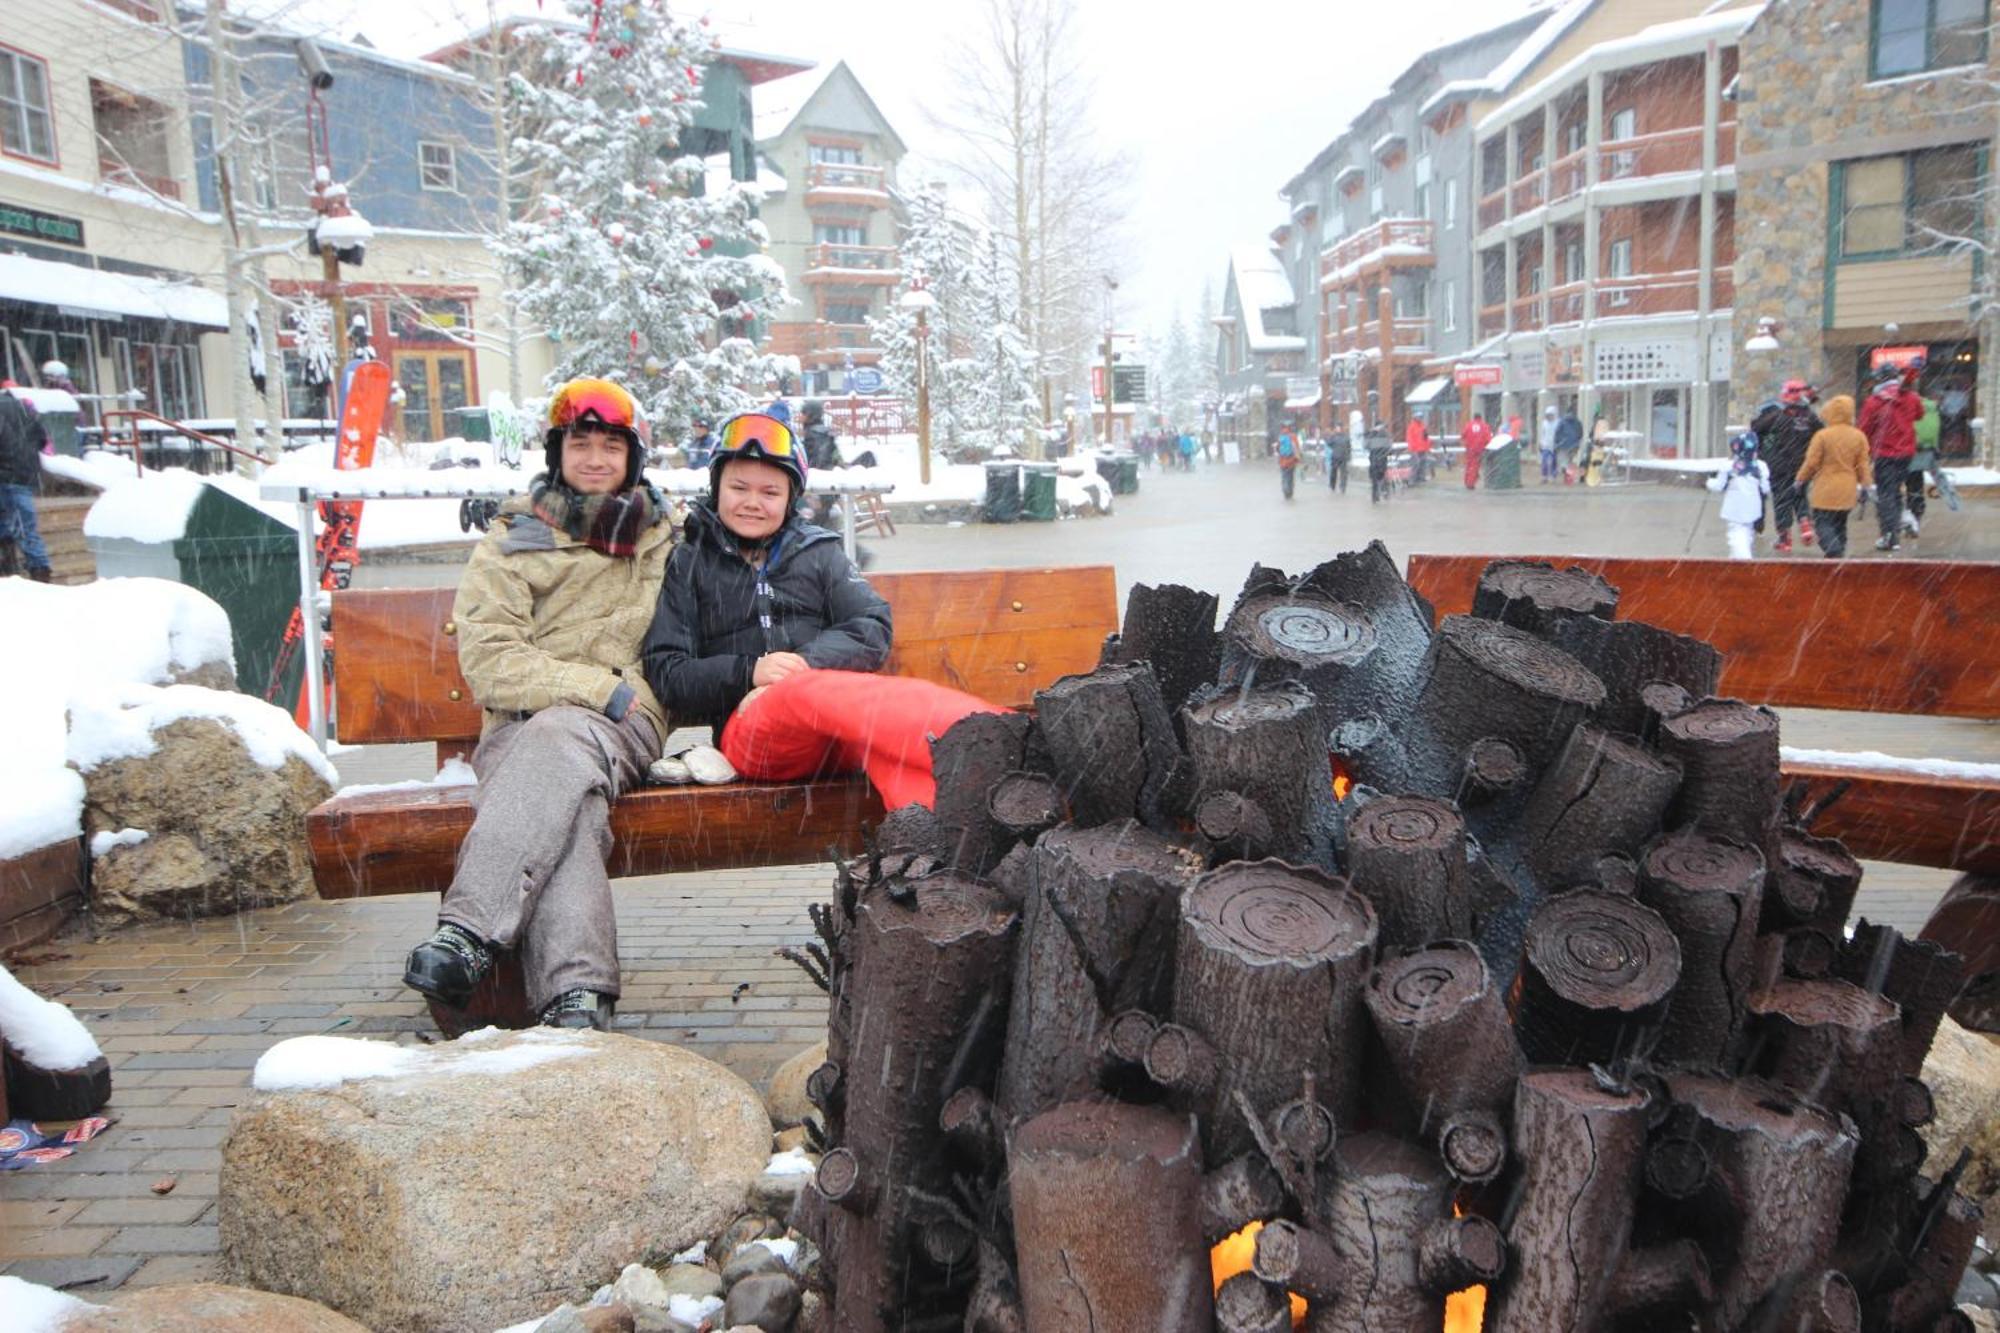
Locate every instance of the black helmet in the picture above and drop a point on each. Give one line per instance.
(813, 412)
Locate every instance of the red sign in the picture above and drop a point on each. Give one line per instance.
(1097, 383)
(1899, 357)
(1475, 375)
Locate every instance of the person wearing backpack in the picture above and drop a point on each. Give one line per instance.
(1288, 461)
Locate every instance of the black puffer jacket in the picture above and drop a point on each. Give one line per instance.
(717, 616)
(1783, 434)
(20, 443)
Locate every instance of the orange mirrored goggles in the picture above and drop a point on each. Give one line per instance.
(579, 400)
(771, 436)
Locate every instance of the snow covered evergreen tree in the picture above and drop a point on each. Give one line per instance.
(635, 272)
(1180, 395)
(1002, 385)
(933, 251)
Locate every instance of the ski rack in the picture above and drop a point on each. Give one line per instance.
(307, 496)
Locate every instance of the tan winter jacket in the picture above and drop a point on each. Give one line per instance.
(545, 620)
(1837, 459)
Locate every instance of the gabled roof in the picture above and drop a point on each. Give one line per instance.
(776, 107)
(757, 66)
(1261, 285)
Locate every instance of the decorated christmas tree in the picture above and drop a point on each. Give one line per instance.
(639, 261)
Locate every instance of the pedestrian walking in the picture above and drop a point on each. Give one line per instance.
(1339, 453)
(1742, 483)
(1546, 442)
(1187, 447)
(1417, 439)
(700, 446)
(1378, 468)
(1838, 470)
(1568, 439)
(1476, 436)
(1784, 430)
(22, 437)
(1288, 461)
(1927, 430)
(1889, 420)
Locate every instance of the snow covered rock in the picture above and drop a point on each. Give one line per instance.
(786, 1093)
(219, 782)
(479, 1183)
(52, 1066)
(206, 1307)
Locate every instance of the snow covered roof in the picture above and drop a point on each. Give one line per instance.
(776, 105)
(1387, 144)
(1662, 41)
(46, 282)
(1261, 285)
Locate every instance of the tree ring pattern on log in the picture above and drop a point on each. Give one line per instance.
(1522, 660)
(1690, 861)
(1270, 911)
(1571, 589)
(1428, 983)
(1603, 951)
(953, 907)
(1473, 1147)
(1721, 720)
(1408, 823)
(1308, 632)
(1496, 763)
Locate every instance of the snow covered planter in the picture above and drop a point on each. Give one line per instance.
(472, 1184)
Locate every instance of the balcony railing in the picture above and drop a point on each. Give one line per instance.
(1493, 208)
(1655, 293)
(1663, 153)
(844, 179)
(1391, 238)
(872, 260)
(1406, 333)
(1528, 312)
(118, 173)
(1566, 303)
(1528, 192)
(1566, 175)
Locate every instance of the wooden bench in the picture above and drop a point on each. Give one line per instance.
(1904, 636)
(999, 634)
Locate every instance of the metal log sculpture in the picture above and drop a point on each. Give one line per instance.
(1490, 956)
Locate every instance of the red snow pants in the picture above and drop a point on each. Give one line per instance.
(838, 721)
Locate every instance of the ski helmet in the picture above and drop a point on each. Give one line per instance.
(813, 412)
(600, 403)
(761, 436)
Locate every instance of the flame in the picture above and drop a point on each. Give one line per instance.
(1465, 1311)
(1343, 780)
(1232, 1256)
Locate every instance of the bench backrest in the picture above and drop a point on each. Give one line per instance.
(1901, 636)
(1001, 634)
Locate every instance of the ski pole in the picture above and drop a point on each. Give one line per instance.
(1698, 515)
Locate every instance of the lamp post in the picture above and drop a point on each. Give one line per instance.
(919, 300)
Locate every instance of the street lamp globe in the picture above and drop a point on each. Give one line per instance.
(917, 299)
(1766, 337)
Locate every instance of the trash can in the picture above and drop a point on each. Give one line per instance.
(1038, 492)
(1003, 492)
(1126, 482)
(235, 553)
(1502, 467)
(474, 423)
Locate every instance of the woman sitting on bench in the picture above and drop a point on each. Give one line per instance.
(766, 632)
(550, 616)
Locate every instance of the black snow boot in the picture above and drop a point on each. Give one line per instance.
(579, 1009)
(449, 965)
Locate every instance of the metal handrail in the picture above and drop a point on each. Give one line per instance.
(137, 443)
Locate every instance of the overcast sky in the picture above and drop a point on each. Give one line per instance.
(1217, 109)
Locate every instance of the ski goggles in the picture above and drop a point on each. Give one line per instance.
(601, 400)
(771, 437)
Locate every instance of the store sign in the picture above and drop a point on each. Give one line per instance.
(1899, 357)
(1475, 375)
(33, 223)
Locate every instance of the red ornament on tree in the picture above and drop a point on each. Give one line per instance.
(645, 118)
(706, 242)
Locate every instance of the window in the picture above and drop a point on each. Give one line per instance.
(437, 166)
(1534, 279)
(1451, 203)
(25, 128)
(837, 154)
(1910, 36)
(1624, 124)
(132, 139)
(1572, 261)
(831, 234)
(1572, 137)
(1450, 305)
(840, 312)
(1422, 201)
(1910, 203)
(1375, 202)
(1620, 265)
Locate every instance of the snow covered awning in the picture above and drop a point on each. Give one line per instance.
(94, 293)
(1388, 145)
(1428, 391)
(1299, 402)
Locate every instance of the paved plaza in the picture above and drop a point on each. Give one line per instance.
(183, 1010)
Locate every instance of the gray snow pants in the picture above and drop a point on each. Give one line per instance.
(531, 872)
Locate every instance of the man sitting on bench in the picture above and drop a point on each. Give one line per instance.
(550, 617)
(766, 632)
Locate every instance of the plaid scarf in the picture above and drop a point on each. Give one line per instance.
(610, 524)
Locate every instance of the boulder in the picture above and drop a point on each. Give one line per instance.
(786, 1095)
(208, 1307)
(223, 832)
(481, 1182)
(1963, 1071)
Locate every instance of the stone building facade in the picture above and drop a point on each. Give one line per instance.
(1838, 106)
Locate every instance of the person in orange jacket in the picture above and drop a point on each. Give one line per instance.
(1418, 440)
(1476, 436)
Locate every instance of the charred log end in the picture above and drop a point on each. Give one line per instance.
(1809, 954)
(1493, 766)
(1461, 1252)
(1240, 1192)
(971, 1122)
(1829, 1305)
(1248, 1304)
(1473, 1147)
(1181, 1059)
(1305, 1129)
(946, 1243)
(1127, 1036)
(839, 1178)
(1673, 1276)
(1234, 820)
(823, 1088)
(1535, 596)
(1298, 1260)
(1911, 1104)
(1026, 804)
(1677, 1168)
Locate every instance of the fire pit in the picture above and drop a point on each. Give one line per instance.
(1336, 971)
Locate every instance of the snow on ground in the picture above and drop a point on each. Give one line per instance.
(103, 844)
(46, 1033)
(31, 1308)
(80, 641)
(786, 1251)
(790, 1162)
(317, 1062)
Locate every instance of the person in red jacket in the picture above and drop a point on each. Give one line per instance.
(1476, 436)
(1418, 440)
(1889, 420)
